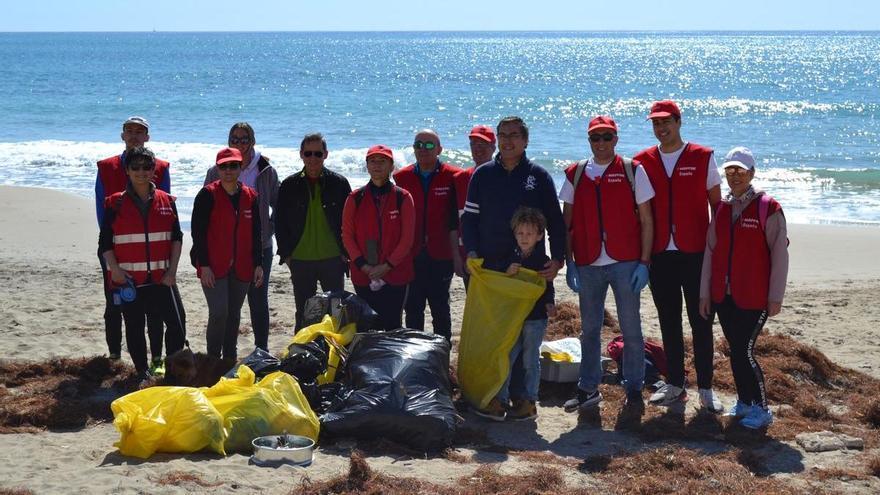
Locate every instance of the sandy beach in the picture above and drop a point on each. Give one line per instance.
(51, 305)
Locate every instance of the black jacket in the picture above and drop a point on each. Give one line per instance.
(293, 204)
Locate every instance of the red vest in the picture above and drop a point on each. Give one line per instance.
(462, 181)
(230, 235)
(681, 203)
(388, 233)
(112, 174)
(142, 248)
(432, 209)
(747, 268)
(604, 208)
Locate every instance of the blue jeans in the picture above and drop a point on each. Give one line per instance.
(524, 377)
(258, 303)
(594, 286)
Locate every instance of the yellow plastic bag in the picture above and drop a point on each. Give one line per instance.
(328, 328)
(274, 405)
(495, 309)
(167, 419)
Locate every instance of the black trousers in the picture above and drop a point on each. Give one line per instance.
(431, 284)
(674, 273)
(741, 328)
(157, 301)
(305, 276)
(387, 302)
(113, 321)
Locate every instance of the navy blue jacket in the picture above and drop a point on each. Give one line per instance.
(494, 194)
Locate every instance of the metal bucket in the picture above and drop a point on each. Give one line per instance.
(283, 449)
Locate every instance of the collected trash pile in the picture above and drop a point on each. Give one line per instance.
(335, 377)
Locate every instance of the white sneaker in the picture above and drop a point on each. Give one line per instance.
(710, 402)
(668, 395)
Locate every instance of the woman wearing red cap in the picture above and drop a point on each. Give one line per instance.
(226, 250)
(745, 267)
(378, 227)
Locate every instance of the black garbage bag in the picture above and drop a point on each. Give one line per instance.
(307, 361)
(342, 305)
(260, 362)
(395, 386)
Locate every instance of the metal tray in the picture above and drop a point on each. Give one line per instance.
(276, 449)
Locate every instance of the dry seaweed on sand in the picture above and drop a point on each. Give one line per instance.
(680, 470)
(61, 392)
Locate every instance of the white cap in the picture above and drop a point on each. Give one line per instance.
(739, 157)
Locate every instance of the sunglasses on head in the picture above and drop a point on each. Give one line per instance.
(229, 166)
(428, 145)
(606, 136)
(730, 172)
(244, 140)
(309, 154)
(137, 167)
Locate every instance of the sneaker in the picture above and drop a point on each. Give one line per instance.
(634, 398)
(114, 356)
(157, 367)
(668, 395)
(757, 418)
(710, 402)
(494, 411)
(583, 400)
(522, 410)
(739, 410)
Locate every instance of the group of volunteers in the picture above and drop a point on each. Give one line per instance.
(655, 219)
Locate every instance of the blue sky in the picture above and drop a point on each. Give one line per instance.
(470, 15)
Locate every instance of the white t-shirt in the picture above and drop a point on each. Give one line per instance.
(713, 177)
(249, 175)
(644, 193)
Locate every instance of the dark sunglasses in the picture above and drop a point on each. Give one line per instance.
(608, 136)
(137, 167)
(428, 145)
(244, 140)
(229, 166)
(309, 154)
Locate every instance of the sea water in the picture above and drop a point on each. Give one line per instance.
(806, 103)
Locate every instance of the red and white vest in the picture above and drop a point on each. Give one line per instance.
(432, 208)
(114, 180)
(386, 227)
(604, 209)
(142, 247)
(681, 204)
(741, 257)
(230, 233)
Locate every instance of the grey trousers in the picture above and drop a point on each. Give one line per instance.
(224, 314)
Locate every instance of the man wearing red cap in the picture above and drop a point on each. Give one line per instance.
(112, 179)
(687, 185)
(607, 210)
(435, 248)
(482, 143)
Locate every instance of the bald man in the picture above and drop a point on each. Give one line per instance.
(435, 250)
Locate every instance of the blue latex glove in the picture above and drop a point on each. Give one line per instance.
(571, 276)
(639, 278)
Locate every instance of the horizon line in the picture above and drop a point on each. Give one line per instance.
(206, 31)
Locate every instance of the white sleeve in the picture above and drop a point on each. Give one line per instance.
(713, 178)
(566, 194)
(644, 190)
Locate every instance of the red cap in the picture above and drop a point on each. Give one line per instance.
(483, 132)
(228, 155)
(602, 122)
(380, 149)
(664, 108)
